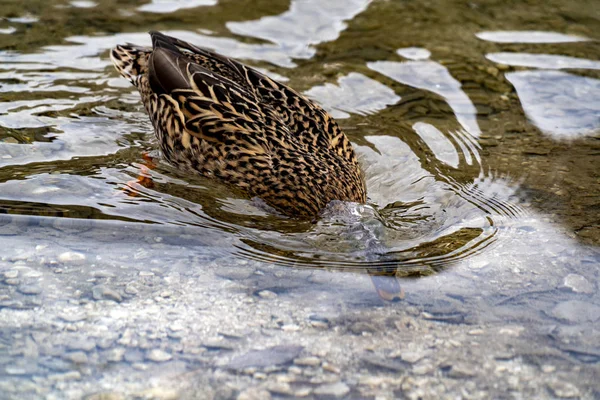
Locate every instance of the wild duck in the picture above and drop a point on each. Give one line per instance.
(217, 117)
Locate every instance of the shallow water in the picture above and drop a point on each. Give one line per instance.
(477, 127)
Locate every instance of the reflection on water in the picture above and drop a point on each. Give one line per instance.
(529, 37)
(306, 23)
(354, 93)
(168, 6)
(448, 156)
(547, 61)
(562, 105)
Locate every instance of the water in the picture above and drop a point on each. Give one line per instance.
(477, 128)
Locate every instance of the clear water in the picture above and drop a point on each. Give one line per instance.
(477, 128)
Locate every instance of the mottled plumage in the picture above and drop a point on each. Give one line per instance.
(219, 118)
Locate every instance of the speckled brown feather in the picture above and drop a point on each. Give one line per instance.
(217, 117)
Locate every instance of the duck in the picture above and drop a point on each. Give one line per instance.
(219, 118)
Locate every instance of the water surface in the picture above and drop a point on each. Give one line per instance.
(477, 127)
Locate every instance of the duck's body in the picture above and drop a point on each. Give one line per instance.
(219, 118)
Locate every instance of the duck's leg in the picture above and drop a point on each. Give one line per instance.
(144, 179)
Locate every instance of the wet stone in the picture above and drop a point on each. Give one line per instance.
(460, 371)
(234, 273)
(13, 273)
(381, 363)
(158, 355)
(67, 376)
(83, 345)
(578, 284)
(56, 364)
(273, 356)
(12, 282)
(77, 357)
(30, 289)
(105, 396)
(254, 394)
(563, 389)
(267, 294)
(217, 345)
(102, 292)
(335, 390)
(308, 361)
(115, 355)
(71, 257)
(411, 356)
(576, 311)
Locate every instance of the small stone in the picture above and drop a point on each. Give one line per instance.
(476, 332)
(359, 328)
(411, 357)
(166, 294)
(548, 369)
(267, 294)
(576, 311)
(78, 357)
(234, 273)
(116, 354)
(290, 328)
(158, 355)
(12, 282)
(71, 257)
(382, 363)
(578, 284)
(512, 330)
(216, 344)
(160, 393)
(67, 376)
(273, 356)
(105, 396)
(423, 368)
(303, 392)
(308, 361)
(11, 274)
(82, 345)
(131, 290)
(331, 368)
(564, 389)
(461, 371)
(282, 388)
(319, 324)
(101, 292)
(337, 390)
(30, 289)
(254, 394)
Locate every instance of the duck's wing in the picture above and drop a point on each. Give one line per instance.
(188, 98)
(306, 120)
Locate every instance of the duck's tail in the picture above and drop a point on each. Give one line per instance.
(130, 60)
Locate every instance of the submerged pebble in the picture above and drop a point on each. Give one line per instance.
(578, 284)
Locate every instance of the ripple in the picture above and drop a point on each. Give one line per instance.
(529, 37)
(442, 147)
